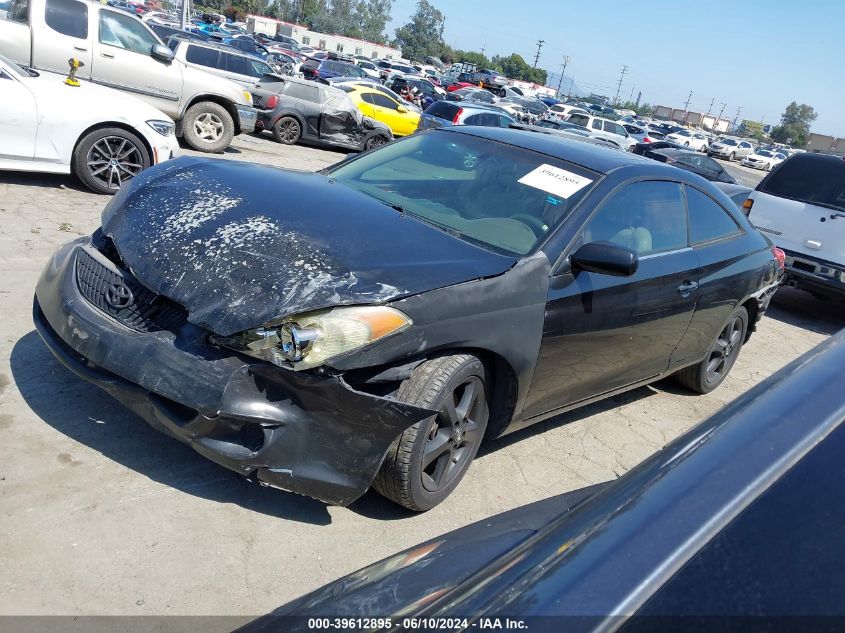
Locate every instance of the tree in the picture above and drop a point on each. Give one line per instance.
(795, 124)
(421, 36)
(374, 16)
(233, 13)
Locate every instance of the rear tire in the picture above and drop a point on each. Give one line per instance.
(208, 127)
(712, 371)
(287, 130)
(107, 158)
(427, 462)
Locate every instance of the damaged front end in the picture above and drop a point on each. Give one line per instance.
(305, 432)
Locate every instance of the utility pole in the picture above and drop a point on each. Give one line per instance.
(719, 118)
(738, 110)
(566, 59)
(484, 46)
(631, 98)
(442, 27)
(571, 83)
(686, 105)
(712, 101)
(537, 56)
(619, 84)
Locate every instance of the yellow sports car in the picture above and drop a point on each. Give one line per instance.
(374, 103)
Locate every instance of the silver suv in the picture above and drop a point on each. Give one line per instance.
(604, 129)
(443, 113)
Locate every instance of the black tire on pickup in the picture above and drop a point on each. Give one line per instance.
(208, 127)
(427, 461)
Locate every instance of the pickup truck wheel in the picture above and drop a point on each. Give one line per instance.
(710, 372)
(287, 130)
(107, 158)
(427, 461)
(208, 127)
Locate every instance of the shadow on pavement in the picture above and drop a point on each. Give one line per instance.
(88, 415)
(801, 309)
(46, 181)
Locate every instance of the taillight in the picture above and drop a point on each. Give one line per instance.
(457, 115)
(780, 257)
(272, 102)
(746, 206)
(647, 140)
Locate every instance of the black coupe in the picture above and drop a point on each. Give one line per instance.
(370, 325)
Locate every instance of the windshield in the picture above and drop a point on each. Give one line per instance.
(499, 196)
(814, 180)
(763, 152)
(729, 141)
(16, 69)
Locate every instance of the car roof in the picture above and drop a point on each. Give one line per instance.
(216, 45)
(596, 158)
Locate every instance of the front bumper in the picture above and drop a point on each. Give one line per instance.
(247, 117)
(165, 148)
(302, 432)
(755, 164)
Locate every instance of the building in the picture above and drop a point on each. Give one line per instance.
(694, 119)
(826, 144)
(321, 41)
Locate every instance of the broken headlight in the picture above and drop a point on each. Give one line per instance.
(308, 340)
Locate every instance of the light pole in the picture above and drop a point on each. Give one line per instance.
(566, 59)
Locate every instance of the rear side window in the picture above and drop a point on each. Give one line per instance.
(812, 179)
(237, 64)
(596, 124)
(299, 91)
(383, 101)
(579, 119)
(202, 56)
(485, 118)
(708, 221)
(443, 110)
(67, 17)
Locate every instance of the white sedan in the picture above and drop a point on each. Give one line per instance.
(763, 159)
(103, 136)
(687, 138)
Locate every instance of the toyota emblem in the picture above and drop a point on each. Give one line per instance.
(118, 296)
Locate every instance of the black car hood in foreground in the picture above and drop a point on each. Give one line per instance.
(239, 244)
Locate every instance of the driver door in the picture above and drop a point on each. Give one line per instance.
(122, 60)
(19, 123)
(603, 333)
(388, 111)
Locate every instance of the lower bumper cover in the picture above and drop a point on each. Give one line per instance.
(305, 433)
(816, 275)
(247, 117)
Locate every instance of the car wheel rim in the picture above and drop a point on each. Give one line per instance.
(724, 351)
(113, 160)
(289, 131)
(454, 435)
(209, 127)
(375, 142)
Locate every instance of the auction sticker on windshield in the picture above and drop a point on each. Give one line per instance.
(555, 180)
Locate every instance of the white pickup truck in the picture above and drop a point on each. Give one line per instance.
(120, 51)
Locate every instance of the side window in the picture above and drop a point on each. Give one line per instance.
(648, 217)
(711, 165)
(126, 32)
(596, 125)
(707, 219)
(258, 68)
(68, 17)
(367, 98)
(306, 93)
(19, 11)
(237, 64)
(202, 56)
(485, 118)
(384, 101)
(504, 121)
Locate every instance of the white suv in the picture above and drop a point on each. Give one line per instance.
(604, 129)
(800, 205)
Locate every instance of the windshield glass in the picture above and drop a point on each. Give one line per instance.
(14, 68)
(499, 196)
(729, 141)
(814, 180)
(763, 152)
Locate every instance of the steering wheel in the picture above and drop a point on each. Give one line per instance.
(534, 223)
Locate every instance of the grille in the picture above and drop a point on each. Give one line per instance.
(146, 312)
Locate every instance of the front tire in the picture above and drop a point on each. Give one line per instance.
(712, 371)
(377, 140)
(208, 127)
(732, 157)
(107, 158)
(427, 461)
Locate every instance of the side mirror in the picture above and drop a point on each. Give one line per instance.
(161, 53)
(401, 109)
(605, 258)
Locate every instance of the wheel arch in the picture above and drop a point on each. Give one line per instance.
(111, 124)
(752, 306)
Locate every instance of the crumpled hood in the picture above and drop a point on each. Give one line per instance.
(239, 244)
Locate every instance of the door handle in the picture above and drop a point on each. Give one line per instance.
(108, 55)
(687, 287)
(81, 49)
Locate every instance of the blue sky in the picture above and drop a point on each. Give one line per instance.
(766, 53)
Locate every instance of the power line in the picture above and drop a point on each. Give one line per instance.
(539, 47)
(619, 84)
(566, 59)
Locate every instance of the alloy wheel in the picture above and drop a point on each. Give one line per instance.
(114, 159)
(209, 127)
(724, 350)
(289, 130)
(454, 435)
